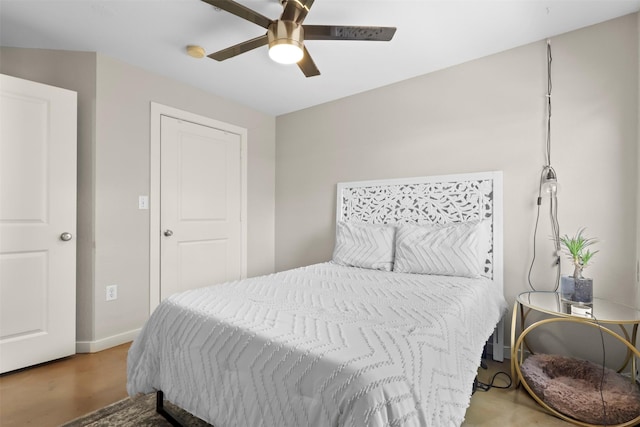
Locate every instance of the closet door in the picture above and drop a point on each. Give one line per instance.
(37, 223)
(201, 194)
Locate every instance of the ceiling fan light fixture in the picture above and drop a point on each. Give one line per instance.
(286, 42)
(285, 53)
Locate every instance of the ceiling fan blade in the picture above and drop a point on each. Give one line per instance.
(340, 32)
(241, 11)
(296, 10)
(239, 48)
(305, 10)
(307, 65)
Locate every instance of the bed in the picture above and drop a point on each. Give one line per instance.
(381, 335)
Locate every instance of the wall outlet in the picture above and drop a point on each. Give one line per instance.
(143, 202)
(112, 292)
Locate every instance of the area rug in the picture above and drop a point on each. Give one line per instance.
(135, 412)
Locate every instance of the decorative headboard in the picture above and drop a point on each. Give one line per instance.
(430, 200)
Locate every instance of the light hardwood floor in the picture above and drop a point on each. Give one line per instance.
(59, 391)
(506, 408)
(54, 393)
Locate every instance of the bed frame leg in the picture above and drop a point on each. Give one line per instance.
(160, 409)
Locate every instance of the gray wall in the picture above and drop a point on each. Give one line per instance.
(122, 132)
(113, 170)
(488, 114)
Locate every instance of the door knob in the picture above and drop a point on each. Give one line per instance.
(168, 233)
(66, 237)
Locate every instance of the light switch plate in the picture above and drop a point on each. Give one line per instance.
(143, 202)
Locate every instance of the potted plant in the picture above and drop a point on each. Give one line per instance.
(578, 288)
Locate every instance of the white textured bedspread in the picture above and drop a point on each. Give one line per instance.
(322, 345)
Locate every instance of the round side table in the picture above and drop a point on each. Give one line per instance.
(603, 312)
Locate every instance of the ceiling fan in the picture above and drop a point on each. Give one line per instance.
(286, 36)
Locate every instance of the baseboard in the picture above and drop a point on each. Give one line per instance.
(105, 343)
(507, 352)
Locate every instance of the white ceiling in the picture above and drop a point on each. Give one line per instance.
(431, 35)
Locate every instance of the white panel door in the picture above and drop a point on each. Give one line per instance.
(200, 217)
(37, 207)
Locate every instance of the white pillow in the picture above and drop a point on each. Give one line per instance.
(456, 249)
(364, 245)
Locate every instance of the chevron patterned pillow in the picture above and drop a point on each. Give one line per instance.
(364, 245)
(456, 249)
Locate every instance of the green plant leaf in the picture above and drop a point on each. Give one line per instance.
(576, 247)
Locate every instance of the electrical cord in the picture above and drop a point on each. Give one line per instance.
(535, 232)
(553, 200)
(604, 358)
(480, 386)
(555, 225)
(549, 87)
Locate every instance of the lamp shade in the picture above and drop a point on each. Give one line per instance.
(285, 53)
(285, 42)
